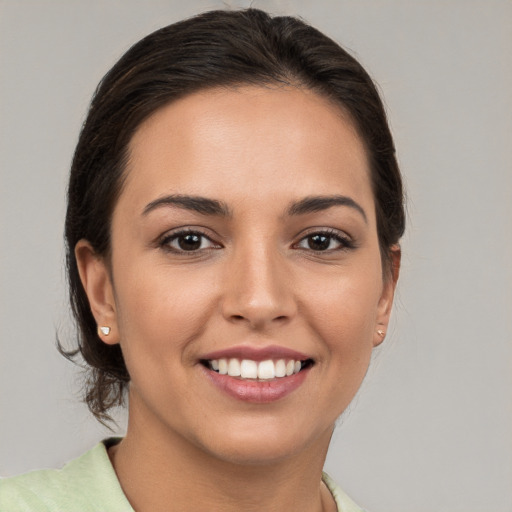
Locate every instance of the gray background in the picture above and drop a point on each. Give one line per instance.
(431, 428)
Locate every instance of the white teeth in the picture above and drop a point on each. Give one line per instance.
(234, 368)
(249, 369)
(280, 368)
(266, 370)
(223, 366)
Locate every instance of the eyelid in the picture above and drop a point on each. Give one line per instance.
(164, 240)
(346, 241)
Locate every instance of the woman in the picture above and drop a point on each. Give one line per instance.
(234, 213)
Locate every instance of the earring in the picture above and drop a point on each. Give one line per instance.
(381, 333)
(105, 330)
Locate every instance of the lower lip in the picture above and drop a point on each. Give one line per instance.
(263, 391)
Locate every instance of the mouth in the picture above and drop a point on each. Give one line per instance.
(257, 375)
(252, 370)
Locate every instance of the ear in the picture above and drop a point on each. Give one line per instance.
(386, 299)
(97, 284)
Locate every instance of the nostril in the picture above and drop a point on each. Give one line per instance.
(280, 318)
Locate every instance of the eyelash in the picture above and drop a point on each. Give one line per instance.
(345, 243)
(165, 242)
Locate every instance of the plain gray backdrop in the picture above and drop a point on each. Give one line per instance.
(431, 429)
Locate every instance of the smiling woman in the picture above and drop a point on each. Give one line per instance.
(234, 214)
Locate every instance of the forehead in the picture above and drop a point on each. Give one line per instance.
(247, 143)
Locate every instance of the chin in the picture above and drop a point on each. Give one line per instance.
(258, 453)
(265, 443)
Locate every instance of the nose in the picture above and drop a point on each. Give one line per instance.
(258, 290)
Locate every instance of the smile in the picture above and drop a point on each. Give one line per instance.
(256, 375)
(268, 369)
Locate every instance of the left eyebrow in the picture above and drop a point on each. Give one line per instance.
(313, 204)
(202, 205)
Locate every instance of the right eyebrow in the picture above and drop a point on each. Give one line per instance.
(199, 204)
(313, 204)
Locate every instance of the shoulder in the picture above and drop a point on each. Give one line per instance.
(343, 502)
(88, 483)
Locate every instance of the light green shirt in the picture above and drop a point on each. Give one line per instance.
(90, 484)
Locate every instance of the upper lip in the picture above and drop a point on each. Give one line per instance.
(256, 353)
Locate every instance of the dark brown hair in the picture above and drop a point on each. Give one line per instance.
(217, 48)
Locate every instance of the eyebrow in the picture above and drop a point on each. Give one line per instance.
(202, 205)
(207, 206)
(313, 204)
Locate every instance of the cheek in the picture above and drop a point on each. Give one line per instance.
(342, 315)
(343, 320)
(161, 309)
(347, 302)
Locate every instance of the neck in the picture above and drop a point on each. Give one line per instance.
(159, 469)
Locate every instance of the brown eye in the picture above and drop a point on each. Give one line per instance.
(325, 242)
(318, 242)
(187, 241)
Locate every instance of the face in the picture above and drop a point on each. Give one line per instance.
(246, 287)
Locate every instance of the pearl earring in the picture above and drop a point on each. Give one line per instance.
(105, 330)
(381, 333)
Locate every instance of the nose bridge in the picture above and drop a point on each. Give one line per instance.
(258, 289)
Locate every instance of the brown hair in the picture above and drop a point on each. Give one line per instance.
(217, 48)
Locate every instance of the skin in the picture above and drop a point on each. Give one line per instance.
(254, 281)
